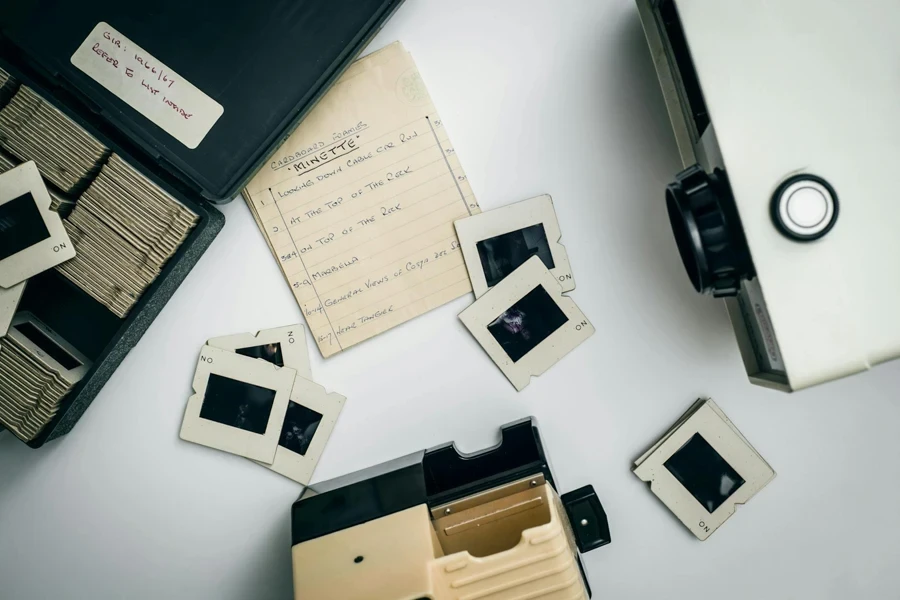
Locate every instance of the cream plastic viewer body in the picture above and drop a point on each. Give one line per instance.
(441, 525)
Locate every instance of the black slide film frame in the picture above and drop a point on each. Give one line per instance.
(237, 404)
(527, 323)
(267, 352)
(300, 425)
(21, 225)
(704, 473)
(503, 254)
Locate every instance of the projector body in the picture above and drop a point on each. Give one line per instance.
(787, 119)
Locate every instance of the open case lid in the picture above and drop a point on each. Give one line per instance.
(266, 64)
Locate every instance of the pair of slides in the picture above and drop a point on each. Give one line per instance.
(519, 272)
(254, 397)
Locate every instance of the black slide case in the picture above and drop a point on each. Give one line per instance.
(267, 64)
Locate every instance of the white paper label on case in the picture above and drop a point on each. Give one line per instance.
(147, 85)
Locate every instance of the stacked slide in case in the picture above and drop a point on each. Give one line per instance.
(66, 154)
(41, 368)
(125, 229)
(58, 202)
(7, 86)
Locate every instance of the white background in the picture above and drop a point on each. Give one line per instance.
(538, 97)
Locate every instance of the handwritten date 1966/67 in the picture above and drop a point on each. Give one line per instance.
(162, 78)
(161, 75)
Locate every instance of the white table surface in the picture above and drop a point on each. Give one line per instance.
(538, 97)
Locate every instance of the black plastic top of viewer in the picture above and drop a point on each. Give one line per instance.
(266, 63)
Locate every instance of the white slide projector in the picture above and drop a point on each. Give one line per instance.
(787, 119)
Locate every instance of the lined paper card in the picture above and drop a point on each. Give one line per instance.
(358, 205)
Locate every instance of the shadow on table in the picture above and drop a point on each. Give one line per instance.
(646, 162)
(18, 461)
(272, 575)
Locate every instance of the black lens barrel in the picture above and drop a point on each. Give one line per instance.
(708, 231)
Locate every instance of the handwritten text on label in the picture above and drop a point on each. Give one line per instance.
(147, 85)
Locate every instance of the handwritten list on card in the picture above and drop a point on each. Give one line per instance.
(358, 205)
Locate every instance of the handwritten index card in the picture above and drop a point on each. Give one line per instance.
(359, 202)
